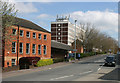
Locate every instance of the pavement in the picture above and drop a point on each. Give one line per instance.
(88, 69)
(35, 69)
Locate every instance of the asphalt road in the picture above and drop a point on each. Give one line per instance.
(66, 73)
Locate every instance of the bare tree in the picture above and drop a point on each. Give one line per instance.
(93, 38)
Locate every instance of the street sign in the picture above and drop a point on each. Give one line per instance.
(75, 50)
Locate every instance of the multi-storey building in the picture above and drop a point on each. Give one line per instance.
(62, 30)
(30, 40)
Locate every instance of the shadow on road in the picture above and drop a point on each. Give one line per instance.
(113, 75)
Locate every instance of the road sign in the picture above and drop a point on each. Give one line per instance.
(75, 50)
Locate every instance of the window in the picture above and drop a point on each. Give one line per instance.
(53, 25)
(45, 37)
(39, 49)
(34, 35)
(59, 25)
(45, 50)
(34, 49)
(7, 63)
(39, 36)
(13, 47)
(13, 62)
(21, 33)
(27, 48)
(14, 31)
(58, 33)
(28, 34)
(58, 37)
(58, 29)
(21, 48)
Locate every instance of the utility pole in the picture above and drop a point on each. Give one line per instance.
(75, 38)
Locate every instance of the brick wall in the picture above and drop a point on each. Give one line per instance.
(8, 51)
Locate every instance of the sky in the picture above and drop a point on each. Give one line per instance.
(104, 15)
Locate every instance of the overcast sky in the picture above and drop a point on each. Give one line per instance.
(104, 15)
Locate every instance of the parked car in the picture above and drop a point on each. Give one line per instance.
(110, 61)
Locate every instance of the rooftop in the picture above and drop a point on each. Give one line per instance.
(55, 44)
(28, 24)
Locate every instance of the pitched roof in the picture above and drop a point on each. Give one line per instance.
(55, 44)
(28, 24)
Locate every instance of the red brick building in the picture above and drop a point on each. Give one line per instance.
(32, 41)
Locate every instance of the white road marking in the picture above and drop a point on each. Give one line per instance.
(69, 76)
(85, 72)
(100, 67)
(61, 77)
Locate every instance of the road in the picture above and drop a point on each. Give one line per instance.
(74, 72)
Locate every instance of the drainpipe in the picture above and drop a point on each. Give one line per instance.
(17, 44)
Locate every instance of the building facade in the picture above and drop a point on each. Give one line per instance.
(30, 40)
(59, 50)
(62, 30)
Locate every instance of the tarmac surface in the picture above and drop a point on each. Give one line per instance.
(87, 70)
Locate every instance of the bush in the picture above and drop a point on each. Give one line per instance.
(89, 54)
(56, 60)
(72, 58)
(44, 62)
(86, 54)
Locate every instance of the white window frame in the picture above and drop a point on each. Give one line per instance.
(14, 47)
(29, 34)
(14, 62)
(44, 37)
(39, 36)
(45, 50)
(15, 31)
(39, 49)
(28, 48)
(34, 49)
(22, 33)
(21, 48)
(34, 36)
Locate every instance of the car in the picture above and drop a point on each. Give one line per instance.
(110, 61)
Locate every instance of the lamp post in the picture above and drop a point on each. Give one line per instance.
(75, 38)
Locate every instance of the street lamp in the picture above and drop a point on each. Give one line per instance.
(75, 38)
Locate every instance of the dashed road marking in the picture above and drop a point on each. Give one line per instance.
(85, 72)
(100, 67)
(62, 77)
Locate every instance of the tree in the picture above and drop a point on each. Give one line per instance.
(90, 36)
(8, 13)
(7, 19)
(95, 39)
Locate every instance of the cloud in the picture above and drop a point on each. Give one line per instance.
(43, 24)
(45, 20)
(42, 16)
(45, 17)
(25, 7)
(106, 21)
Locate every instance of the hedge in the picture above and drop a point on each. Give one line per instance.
(44, 62)
(89, 54)
(56, 60)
